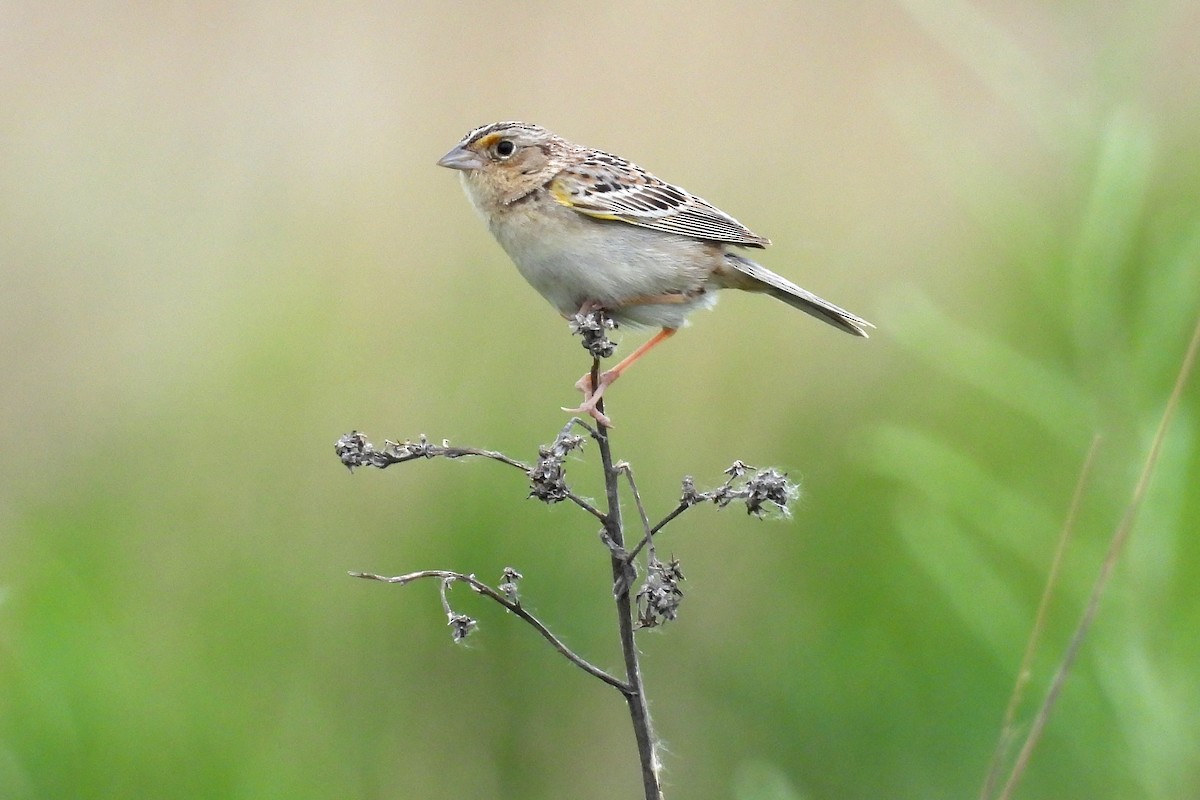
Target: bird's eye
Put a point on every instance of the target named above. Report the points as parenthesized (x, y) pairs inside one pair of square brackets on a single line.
[(505, 148)]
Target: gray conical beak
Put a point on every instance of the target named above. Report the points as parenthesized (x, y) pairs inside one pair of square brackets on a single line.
[(461, 158)]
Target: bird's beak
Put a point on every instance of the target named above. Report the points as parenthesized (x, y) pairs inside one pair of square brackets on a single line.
[(461, 158)]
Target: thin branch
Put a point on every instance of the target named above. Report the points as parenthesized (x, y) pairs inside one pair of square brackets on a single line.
[(462, 452), (578, 422), (764, 491), (586, 506), (1120, 536), (1039, 623), (647, 538), (355, 452), (514, 606), (679, 509), (401, 452), (639, 710), (445, 591)]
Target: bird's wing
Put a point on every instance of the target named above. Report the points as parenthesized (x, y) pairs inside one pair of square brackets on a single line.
[(608, 187)]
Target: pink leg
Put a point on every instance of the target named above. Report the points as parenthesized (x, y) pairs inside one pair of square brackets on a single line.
[(593, 396)]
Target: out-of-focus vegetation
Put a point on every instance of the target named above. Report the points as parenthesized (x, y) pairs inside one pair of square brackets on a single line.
[(223, 243)]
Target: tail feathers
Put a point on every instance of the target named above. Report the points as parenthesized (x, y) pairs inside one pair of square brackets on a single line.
[(762, 279), (823, 310)]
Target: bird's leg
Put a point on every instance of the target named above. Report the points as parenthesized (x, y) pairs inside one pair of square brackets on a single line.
[(592, 394)]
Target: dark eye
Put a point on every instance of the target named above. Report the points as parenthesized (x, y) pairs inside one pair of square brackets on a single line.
[(505, 148)]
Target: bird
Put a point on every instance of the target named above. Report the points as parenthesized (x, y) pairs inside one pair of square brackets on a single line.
[(592, 231)]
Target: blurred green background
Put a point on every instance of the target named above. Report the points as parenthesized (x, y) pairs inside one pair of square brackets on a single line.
[(224, 243)]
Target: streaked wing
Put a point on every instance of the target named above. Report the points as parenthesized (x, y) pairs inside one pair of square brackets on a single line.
[(609, 187)]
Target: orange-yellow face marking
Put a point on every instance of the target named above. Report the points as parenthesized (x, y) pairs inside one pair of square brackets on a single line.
[(487, 142)]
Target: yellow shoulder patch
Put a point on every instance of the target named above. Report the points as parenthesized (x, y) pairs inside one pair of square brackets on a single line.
[(562, 195)]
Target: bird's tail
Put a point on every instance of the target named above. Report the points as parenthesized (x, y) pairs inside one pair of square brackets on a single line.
[(754, 277)]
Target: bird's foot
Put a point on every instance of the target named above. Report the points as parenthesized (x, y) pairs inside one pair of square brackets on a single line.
[(593, 396)]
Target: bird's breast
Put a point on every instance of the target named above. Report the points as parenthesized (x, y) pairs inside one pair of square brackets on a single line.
[(570, 258)]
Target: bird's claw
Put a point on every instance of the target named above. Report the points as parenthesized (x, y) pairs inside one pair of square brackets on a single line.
[(592, 397), (589, 408)]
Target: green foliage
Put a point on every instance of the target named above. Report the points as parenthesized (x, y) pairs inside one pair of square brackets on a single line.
[(982, 530)]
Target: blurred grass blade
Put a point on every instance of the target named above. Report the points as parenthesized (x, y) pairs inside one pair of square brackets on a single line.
[(1154, 560), (1055, 402), (1116, 548), (1170, 296), (1098, 296), (1010, 71), (974, 588), (951, 482), (1025, 670), (1155, 700)]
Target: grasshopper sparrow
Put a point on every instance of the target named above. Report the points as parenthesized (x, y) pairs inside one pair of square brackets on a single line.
[(590, 230)]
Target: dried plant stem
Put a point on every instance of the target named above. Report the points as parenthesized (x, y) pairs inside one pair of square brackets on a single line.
[(648, 533), (1039, 624), (762, 491), (360, 453), (1116, 546), (513, 606), (635, 694), (648, 539)]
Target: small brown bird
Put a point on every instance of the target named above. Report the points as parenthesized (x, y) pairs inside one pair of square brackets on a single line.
[(590, 230)]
